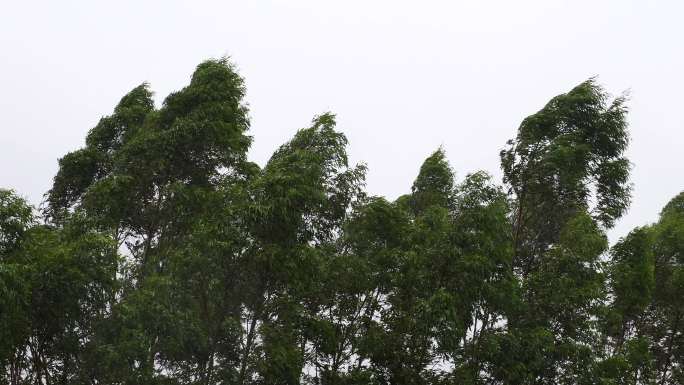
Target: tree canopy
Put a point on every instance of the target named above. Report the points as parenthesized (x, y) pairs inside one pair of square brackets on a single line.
[(162, 255)]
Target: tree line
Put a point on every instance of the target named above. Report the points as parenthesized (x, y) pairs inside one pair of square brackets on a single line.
[(162, 255)]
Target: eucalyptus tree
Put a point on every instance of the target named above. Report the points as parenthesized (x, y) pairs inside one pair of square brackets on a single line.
[(375, 238), (449, 282), (567, 172), (478, 283), (302, 198), (139, 160), (16, 218), (401, 341), (56, 284), (644, 329), (150, 177)]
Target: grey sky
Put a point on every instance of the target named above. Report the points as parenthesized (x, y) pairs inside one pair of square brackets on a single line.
[(403, 77)]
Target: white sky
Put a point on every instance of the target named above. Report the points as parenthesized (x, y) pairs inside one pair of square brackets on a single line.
[(403, 76)]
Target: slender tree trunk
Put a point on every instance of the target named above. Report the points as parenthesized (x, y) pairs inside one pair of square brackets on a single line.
[(668, 359), (247, 349)]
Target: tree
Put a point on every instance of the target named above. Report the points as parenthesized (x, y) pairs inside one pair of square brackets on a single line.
[(568, 175), (644, 319), (152, 178), (302, 198), (16, 217), (57, 284)]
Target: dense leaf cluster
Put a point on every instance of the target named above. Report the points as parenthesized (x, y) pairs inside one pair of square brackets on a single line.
[(163, 256)]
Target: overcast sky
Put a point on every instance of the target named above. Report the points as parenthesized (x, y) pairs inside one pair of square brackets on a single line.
[(403, 77)]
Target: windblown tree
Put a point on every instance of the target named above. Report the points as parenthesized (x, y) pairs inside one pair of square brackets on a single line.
[(164, 256), (16, 218), (301, 200), (644, 326), (56, 284), (568, 176), (154, 179), (449, 283)]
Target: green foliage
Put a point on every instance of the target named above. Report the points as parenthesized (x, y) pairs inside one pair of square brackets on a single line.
[(566, 156), (568, 176), (15, 217), (434, 184), (164, 256), (56, 283), (643, 323)]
